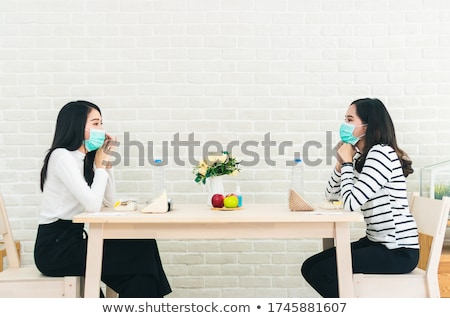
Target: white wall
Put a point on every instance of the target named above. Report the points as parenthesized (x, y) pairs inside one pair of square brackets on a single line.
[(223, 70)]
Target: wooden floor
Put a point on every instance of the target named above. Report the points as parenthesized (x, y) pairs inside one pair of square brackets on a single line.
[(444, 272)]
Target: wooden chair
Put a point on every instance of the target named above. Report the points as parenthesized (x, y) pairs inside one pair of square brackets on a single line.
[(3, 252), (431, 216), (28, 282)]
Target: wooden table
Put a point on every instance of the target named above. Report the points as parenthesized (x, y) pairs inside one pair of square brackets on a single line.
[(196, 221)]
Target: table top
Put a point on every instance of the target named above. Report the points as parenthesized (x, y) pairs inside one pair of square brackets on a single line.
[(195, 213)]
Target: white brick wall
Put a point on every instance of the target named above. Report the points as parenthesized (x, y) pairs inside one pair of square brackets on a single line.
[(224, 70)]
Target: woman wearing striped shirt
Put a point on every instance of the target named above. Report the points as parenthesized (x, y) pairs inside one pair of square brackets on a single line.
[(370, 176)]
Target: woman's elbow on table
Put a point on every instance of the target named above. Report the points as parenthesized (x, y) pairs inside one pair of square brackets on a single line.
[(94, 206)]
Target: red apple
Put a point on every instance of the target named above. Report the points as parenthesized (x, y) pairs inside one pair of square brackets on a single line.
[(217, 200)]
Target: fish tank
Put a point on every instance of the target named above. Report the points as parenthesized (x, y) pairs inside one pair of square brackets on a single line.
[(435, 180)]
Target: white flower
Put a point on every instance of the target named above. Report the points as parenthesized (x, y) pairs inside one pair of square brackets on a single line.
[(216, 165), (217, 158)]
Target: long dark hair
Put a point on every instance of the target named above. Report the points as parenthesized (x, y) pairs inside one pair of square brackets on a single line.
[(380, 130), (69, 134)]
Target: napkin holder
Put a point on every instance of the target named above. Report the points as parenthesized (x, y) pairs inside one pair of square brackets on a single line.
[(158, 205), (297, 202)]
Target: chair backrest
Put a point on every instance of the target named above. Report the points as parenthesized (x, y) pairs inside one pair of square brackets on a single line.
[(5, 231), (431, 216)]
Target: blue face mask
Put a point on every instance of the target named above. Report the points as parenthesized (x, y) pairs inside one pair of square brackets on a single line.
[(346, 133), (96, 140)]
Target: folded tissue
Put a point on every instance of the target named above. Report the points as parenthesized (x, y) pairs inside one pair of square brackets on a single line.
[(159, 205)]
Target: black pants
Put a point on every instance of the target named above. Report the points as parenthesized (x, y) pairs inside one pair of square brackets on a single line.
[(368, 257), (131, 267)]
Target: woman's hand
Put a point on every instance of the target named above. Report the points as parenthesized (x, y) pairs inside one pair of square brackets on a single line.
[(103, 155), (345, 153), (339, 159)]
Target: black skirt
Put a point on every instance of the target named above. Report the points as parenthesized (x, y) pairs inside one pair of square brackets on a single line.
[(60, 250)]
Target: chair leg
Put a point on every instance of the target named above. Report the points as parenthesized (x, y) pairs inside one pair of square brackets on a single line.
[(3, 254), (110, 293)]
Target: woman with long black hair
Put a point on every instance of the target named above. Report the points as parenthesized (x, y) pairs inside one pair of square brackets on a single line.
[(77, 176), (370, 175)]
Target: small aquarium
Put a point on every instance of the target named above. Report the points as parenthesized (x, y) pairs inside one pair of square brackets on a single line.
[(435, 180)]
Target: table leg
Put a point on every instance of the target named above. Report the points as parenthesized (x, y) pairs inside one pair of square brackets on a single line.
[(344, 260), (94, 261)]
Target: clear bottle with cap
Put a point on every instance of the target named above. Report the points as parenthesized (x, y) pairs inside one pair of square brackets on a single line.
[(297, 176), (158, 177)]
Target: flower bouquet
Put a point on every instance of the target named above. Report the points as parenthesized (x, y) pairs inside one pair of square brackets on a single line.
[(215, 165)]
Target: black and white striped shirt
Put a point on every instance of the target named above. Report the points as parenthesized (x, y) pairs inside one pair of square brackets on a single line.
[(379, 191)]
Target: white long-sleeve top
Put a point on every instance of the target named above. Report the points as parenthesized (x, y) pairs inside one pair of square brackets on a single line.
[(379, 191), (66, 192)]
